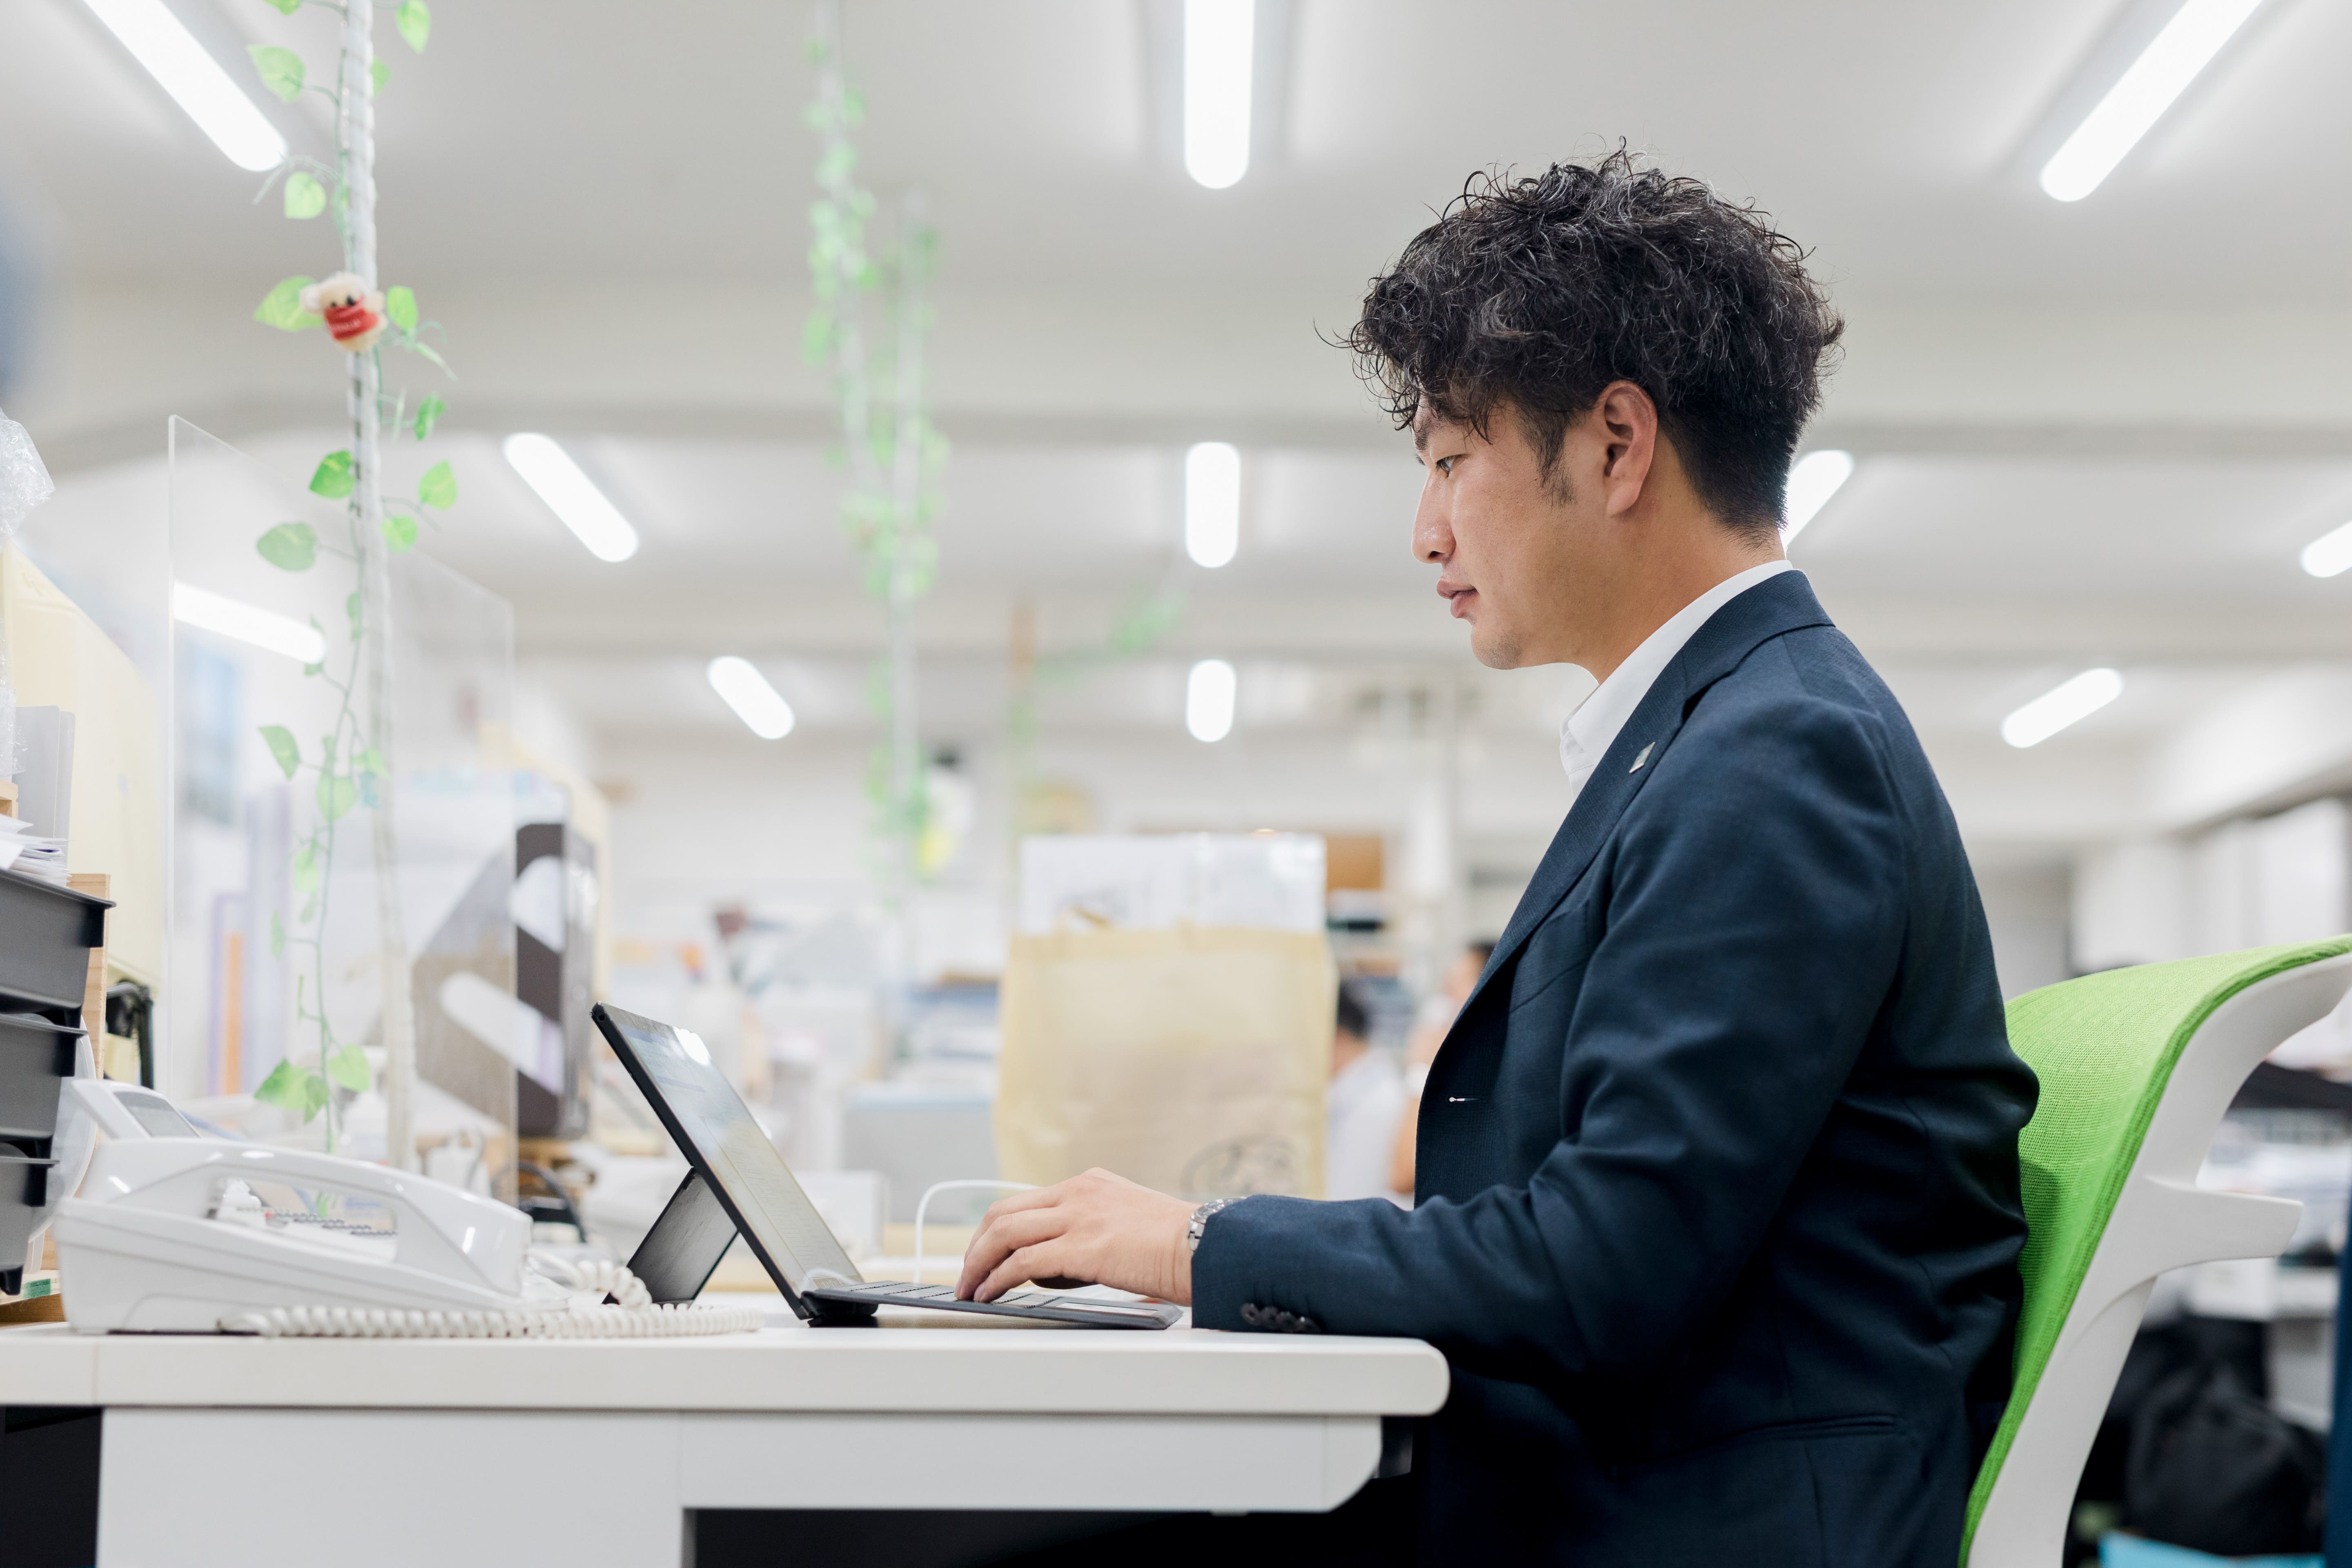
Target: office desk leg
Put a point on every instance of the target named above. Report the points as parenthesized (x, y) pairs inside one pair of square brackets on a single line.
[(387, 1489)]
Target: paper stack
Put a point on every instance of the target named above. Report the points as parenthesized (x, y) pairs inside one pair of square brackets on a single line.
[(31, 854)]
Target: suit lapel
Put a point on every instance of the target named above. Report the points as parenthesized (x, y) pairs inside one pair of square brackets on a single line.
[(1778, 604)]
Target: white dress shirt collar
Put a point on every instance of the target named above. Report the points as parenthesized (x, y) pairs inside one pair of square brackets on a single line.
[(1586, 735)]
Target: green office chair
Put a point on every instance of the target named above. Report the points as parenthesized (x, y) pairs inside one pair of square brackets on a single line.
[(2136, 1067)]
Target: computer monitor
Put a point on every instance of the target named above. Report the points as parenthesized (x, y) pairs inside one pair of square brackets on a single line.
[(736, 1164)]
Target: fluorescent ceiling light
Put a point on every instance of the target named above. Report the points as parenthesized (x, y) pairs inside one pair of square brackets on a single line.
[(2065, 704), (571, 496), (1213, 503), (1815, 478), (1218, 35), (2329, 553), (195, 81), (247, 623), (2164, 69), (757, 703), (1209, 700)]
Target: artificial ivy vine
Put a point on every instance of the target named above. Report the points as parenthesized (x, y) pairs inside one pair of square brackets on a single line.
[(888, 447), (349, 765)]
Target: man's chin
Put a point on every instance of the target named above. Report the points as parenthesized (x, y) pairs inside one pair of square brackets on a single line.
[(1494, 650)]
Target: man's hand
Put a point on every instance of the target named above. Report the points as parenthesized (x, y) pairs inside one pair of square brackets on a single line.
[(1096, 1228)]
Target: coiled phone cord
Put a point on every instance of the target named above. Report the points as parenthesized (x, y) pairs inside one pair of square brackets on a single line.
[(636, 1317)]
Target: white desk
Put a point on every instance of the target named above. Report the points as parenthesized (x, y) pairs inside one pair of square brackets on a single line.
[(364, 1452)]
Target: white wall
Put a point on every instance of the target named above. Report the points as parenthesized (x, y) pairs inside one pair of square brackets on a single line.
[(2250, 882), (2026, 906)]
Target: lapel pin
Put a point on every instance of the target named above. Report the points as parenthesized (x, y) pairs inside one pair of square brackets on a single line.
[(1643, 758)]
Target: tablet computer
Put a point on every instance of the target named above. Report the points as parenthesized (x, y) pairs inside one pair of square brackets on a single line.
[(737, 1182)]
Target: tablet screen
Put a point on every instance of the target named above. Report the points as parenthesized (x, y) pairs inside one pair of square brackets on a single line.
[(704, 1107)]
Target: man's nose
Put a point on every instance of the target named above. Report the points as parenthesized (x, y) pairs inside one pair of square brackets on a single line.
[(1432, 533)]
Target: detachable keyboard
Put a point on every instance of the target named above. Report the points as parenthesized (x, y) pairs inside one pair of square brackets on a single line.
[(1048, 1306)]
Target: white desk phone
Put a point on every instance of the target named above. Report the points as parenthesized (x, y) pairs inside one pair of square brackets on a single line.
[(175, 1232)]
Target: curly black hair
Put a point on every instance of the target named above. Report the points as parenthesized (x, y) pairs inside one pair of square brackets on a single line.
[(1532, 295)]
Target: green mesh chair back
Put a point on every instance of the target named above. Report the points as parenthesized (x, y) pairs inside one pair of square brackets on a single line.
[(2106, 1048)]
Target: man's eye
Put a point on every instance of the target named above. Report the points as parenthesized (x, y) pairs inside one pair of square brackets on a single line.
[(1445, 465)]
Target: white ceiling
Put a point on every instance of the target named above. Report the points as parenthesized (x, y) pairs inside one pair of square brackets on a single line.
[(660, 144), (2089, 433)]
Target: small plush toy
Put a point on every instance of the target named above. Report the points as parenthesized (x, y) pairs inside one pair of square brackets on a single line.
[(353, 311)]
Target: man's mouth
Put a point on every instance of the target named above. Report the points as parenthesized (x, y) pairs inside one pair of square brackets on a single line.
[(1460, 602)]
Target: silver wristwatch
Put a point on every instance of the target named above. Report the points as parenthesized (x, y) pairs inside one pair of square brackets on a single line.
[(1199, 1224)]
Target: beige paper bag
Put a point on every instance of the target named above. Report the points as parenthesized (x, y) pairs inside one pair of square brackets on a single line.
[(1192, 1060)]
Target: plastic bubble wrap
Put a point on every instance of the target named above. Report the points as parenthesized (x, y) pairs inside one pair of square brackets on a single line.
[(24, 483)]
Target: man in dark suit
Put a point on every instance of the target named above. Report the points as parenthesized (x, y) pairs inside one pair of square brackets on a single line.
[(1717, 1216)]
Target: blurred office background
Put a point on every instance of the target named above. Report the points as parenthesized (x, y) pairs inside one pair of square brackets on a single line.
[(2088, 446)]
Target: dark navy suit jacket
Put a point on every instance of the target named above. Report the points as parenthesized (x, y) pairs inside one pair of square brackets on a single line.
[(1718, 1216)]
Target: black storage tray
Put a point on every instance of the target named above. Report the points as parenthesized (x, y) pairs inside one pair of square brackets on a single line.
[(35, 1054), (46, 935), (24, 1189)]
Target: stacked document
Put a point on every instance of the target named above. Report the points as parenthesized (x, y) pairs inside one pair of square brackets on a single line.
[(30, 853)]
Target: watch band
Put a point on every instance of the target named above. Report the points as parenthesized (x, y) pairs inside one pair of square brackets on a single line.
[(1198, 1225)]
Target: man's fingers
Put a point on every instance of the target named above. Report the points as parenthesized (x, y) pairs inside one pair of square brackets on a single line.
[(986, 1251), (1001, 1237), (1019, 1269), (979, 1260), (1037, 1198)]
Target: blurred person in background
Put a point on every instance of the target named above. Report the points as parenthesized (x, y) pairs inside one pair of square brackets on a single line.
[(1365, 1105), (1430, 1025)]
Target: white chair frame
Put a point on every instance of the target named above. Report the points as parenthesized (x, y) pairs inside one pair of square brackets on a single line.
[(2162, 1221)]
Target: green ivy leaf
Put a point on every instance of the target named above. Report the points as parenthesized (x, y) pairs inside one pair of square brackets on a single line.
[(428, 413), (352, 608), (438, 487), (305, 197), (400, 306), (326, 747), (282, 307), (335, 476), (337, 795), (281, 69), (289, 547), (400, 532), (282, 1087), (378, 74), (415, 20), (285, 7), (318, 669), (349, 1067), (370, 761), (305, 870), (295, 1089), (421, 346), (277, 922), (280, 741)]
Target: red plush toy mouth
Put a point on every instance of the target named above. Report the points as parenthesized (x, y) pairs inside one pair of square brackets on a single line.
[(347, 322)]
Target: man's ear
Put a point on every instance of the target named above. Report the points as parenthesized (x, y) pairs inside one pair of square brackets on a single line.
[(1629, 427)]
